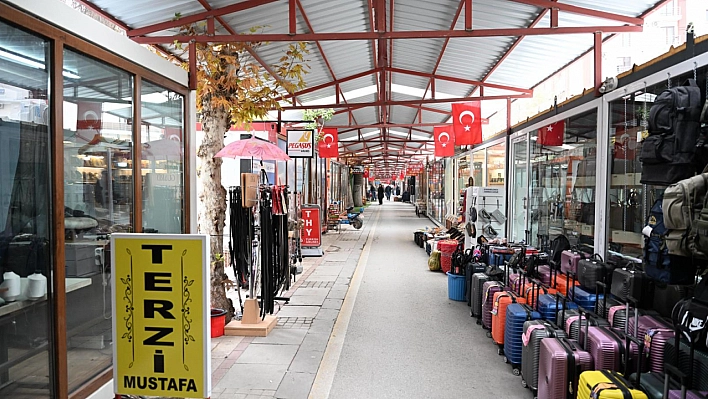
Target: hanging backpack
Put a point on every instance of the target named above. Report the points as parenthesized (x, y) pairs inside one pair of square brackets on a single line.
[(699, 228), (681, 200), (658, 263), (669, 153), (558, 245), (691, 316)]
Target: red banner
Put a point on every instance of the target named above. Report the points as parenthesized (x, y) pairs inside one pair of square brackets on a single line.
[(552, 134), (444, 141), (467, 123), (328, 147), (311, 234)]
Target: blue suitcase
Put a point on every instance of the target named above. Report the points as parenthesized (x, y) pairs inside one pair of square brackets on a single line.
[(548, 307), (585, 298), (516, 316)]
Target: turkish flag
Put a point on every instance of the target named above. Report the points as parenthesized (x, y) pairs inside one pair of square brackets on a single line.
[(88, 119), (444, 141), (552, 134), (467, 123), (329, 145), (366, 173)]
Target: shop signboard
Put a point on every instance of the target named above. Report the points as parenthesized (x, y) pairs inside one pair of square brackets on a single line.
[(161, 317), (300, 144), (311, 234)]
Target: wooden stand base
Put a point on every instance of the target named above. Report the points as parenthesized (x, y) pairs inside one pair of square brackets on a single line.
[(251, 324), (261, 329)]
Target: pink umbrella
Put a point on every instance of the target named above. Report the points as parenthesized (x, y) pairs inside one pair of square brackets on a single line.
[(253, 148)]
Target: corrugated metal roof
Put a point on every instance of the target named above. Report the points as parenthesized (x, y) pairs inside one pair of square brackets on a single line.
[(532, 60)]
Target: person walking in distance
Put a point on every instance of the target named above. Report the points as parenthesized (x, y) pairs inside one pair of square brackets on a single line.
[(388, 192), (381, 194)]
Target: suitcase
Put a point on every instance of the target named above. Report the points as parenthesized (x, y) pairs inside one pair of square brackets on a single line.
[(584, 298), (514, 283), (534, 290), (569, 261), (644, 323), (488, 290), (698, 379), (534, 332), (549, 306), (516, 315), (561, 282), (544, 274), (560, 363), (603, 307), (592, 270), (471, 269), (617, 316), (667, 296), (627, 283), (476, 293), (656, 339), (607, 347), (573, 323), (502, 300), (606, 384), (652, 384)]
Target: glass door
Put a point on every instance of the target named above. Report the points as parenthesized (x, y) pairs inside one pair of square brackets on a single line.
[(519, 195)]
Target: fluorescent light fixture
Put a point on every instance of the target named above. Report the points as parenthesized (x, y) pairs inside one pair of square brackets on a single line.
[(32, 63), (412, 91)]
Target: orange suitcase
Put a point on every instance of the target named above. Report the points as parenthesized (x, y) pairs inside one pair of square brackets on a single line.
[(560, 281), (502, 300), (534, 290)]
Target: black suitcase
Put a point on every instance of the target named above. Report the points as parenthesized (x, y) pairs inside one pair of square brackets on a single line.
[(592, 270), (627, 283), (476, 283), (667, 296), (699, 378), (472, 268)]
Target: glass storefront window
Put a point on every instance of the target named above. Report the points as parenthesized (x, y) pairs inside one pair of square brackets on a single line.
[(496, 164), (479, 168), (98, 195), (162, 138), (25, 209), (629, 201), (436, 190), (563, 188), (519, 193)]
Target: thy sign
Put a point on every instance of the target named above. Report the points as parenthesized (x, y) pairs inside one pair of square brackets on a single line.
[(311, 235), (161, 337)]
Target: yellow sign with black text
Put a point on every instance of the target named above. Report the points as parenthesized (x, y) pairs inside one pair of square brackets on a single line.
[(161, 317)]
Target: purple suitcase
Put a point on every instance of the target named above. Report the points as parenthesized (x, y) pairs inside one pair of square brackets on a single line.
[(607, 347), (689, 395), (544, 274), (560, 362), (514, 283), (617, 316), (569, 261), (488, 290), (645, 322)]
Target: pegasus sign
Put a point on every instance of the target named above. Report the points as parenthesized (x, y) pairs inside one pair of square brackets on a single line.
[(300, 143)]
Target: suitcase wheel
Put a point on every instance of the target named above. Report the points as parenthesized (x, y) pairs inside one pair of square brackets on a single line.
[(489, 334), (516, 372), (479, 322), (500, 352), (505, 359), (524, 384)]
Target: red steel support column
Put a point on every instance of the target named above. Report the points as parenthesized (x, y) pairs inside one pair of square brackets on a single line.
[(293, 21), (598, 62), (508, 116), (468, 14), (554, 17)]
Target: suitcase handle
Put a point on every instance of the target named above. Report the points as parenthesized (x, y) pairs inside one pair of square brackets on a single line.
[(628, 351), (599, 284), (673, 370)]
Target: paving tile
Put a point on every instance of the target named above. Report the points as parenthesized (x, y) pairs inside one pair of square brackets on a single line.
[(307, 300), (321, 326), (253, 376), (306, 361), (311, 291), (332, 304), (337, 294), (298, 311), (317, 277), (295, 385), (268, 354), (282, 337), (327, 314), (328, 271)]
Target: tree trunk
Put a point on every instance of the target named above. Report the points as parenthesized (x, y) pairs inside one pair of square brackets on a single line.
[(212, 195)]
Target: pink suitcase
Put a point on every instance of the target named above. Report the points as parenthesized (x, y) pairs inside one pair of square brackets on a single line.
[(569, 261), (608, 346), (488, 290), (544, 274), (559, 366)]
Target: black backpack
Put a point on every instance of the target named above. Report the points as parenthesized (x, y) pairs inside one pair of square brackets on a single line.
[(558, 245), (669, 154)]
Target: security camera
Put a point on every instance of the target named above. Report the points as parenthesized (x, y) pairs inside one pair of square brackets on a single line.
[(608, 85)]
